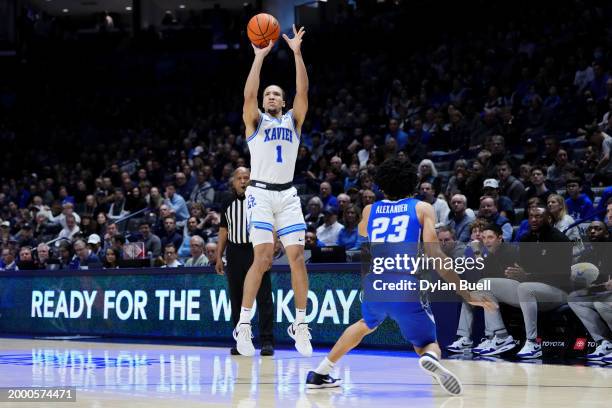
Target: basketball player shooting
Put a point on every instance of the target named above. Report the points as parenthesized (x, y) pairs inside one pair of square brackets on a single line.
[(399, 220), (272, 201)]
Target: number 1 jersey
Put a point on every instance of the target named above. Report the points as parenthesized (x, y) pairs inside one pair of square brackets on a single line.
[(274, 147)]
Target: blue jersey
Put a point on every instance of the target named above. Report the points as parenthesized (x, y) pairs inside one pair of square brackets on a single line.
[(394, 228)]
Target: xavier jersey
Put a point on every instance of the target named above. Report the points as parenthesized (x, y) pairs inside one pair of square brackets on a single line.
[(394, 228), (274, 147)]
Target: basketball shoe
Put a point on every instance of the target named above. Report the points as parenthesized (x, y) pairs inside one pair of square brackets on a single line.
[(301, 334)]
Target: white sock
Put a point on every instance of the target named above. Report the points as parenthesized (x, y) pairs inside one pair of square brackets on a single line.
[(245, 315), (434, 354), (325, 367), (300, 316)]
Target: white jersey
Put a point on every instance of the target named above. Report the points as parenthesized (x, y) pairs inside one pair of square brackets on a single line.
[(274, 148)]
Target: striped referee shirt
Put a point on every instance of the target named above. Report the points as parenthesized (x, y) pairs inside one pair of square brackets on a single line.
[(234, 218)]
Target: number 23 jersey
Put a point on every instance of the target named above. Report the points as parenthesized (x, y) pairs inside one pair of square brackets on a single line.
[(274, 147), (394, 228)]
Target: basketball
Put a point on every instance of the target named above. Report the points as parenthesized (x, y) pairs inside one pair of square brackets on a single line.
[(262, 28), (584, 272)]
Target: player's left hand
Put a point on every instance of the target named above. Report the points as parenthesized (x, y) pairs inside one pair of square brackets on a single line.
[(295, 42), (482, 300), (609, 284)]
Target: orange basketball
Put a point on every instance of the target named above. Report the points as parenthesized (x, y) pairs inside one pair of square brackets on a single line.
[(262, 28)]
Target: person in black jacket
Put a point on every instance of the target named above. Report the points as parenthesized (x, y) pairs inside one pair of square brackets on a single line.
[(539, 278), (593, 305)]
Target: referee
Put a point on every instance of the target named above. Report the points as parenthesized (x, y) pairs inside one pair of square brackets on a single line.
[(233, 235)]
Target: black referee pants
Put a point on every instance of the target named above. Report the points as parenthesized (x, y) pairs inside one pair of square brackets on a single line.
[(239, 259)]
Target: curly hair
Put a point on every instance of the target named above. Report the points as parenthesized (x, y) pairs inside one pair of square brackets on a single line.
[(396, 179)]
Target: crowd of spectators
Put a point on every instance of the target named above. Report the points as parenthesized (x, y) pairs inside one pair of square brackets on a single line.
[(510, 114)]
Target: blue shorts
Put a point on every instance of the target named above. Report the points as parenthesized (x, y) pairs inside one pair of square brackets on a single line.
[(416, 322)]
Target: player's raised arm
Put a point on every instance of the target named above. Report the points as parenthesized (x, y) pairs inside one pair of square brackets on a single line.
[(250, 110), (426, 215), (300, 103)]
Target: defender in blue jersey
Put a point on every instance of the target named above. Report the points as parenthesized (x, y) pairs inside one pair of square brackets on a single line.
[(389, 224)]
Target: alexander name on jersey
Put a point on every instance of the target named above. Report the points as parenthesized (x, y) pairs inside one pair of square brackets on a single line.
[(278, 133), (391, 209)]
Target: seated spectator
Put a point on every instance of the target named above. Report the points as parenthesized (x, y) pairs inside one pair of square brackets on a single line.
[(538, 187), (603, 142), (448, 243), (314, 217), (352, 177), (311, 241), (539, 282), (25, 237), (171, 257), (343, 201), (592, 305), (94, 242), (65, 254), (171, 236), (212, 253), (490, 188), (178, 204), (440, 206), (111, 231), (5, 233), (460, 218), (8, 260), (349, 235), (101, 223), (560, 219), (118, 243), (111, 259), (85, 259), (579, 205), (330, 230), (367, 197), (117, 209), (203, 192), (134, 201), (427, 173), (509, 185), (151, 241), (67, 209), (456, 184), (71, 228), (26, 260), (609, 215), (326, 196), (196, 248), (557, 172), (488, 211), (44, 260)]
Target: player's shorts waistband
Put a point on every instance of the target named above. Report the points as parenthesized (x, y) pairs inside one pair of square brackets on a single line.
[(270, 186)]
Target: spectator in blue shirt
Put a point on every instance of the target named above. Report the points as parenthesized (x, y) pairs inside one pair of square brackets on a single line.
[(579, 205), (603, 203), (349, 236), (85, 259), (177, 202), (396, 133), (326, 196)]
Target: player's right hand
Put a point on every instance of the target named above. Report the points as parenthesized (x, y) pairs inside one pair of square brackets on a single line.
[(219, 267), (263, 51), (482, 300)]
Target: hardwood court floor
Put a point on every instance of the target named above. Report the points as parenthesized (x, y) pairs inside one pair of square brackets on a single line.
[(151, 376)]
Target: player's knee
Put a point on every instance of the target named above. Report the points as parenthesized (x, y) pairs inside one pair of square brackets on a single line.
[(296, 257), (263, 263)]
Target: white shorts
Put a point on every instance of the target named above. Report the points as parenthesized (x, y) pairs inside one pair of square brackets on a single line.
[(279, 211)]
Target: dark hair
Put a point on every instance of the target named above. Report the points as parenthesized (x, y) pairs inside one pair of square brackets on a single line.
[(495, 228), (396, 179), (144, 222), (105, 263), (504, 163), (573, 180), (445, 228)]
